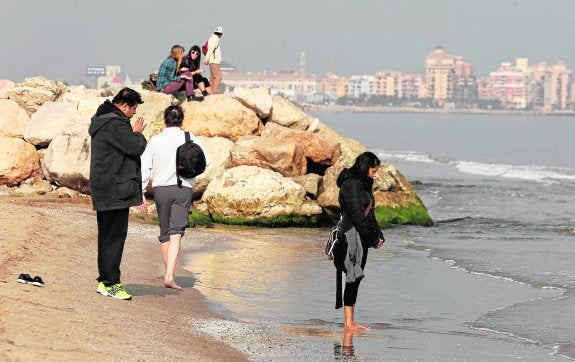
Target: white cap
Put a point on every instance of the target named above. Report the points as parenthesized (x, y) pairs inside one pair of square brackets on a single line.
[(219, 30)]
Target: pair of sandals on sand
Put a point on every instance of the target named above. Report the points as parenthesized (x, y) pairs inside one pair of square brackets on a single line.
[(27, 279)]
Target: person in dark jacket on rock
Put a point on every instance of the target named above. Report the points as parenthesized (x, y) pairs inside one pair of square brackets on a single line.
[(115, 182), (360, 227)]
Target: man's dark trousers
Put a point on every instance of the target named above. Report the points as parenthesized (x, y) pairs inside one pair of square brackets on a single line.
[(112, 232)]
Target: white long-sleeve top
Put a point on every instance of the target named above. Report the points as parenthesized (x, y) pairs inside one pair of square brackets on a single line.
[(214, 54), (159, 158)]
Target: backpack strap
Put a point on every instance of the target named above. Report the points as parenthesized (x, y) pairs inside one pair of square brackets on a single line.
[(188, 139)]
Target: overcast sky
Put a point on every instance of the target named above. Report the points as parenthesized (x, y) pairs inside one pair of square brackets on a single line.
[(59, 38)]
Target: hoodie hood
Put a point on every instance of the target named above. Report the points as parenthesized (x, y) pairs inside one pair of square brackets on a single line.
[(104, 114), (350, 173)]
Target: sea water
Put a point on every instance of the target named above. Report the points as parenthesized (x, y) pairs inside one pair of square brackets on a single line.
[(493, 279)]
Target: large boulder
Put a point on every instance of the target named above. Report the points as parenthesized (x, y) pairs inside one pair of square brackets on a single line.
[(152, 111), (250, 192), (13, 119), (87, 107), (50, 120), (321, 150), (67, 162), (311, 182), (394, 189), (256, 99), (218, 149), (285, 156), (34, 92), (220, 115), (354, 146), (287, 114), (390, 187), (19, 161), (4, 86), (76, 93)]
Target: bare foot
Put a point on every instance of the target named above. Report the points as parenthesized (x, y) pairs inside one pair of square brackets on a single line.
[(171, 284), (355, 327), (359, 326)]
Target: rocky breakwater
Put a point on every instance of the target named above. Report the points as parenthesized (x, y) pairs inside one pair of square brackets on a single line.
[(272, 164)]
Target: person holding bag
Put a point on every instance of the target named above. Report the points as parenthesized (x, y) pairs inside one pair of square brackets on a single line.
[(360, 227)]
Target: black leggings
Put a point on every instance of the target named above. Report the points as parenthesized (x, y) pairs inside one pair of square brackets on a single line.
[(350, 292)]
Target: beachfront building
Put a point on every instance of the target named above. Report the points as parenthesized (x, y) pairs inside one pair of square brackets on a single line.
[(557, 87), (465, 87), (412, 86), (287, 83), (539, 86), (440, 75), (449, 79), (361, 86), (388, 83), (398, 84), (334, 85), (512, 85)]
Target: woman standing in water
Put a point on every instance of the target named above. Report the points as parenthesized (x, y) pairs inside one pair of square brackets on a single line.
[(360, 227)]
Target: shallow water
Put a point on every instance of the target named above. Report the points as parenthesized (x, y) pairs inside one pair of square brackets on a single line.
[(492, 280)]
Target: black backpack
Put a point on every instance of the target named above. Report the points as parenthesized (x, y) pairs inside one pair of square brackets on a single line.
[(190, 160)]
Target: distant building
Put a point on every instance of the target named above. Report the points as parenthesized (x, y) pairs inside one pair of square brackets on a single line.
[(334, 85), (558, 84), (398, 84), (287, 82), (359, 85), (388, 83), (440, 75), (112, 79), (511, 85), (540, 85)]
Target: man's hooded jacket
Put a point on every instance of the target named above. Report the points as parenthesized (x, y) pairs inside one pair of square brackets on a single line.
[(115, 172)]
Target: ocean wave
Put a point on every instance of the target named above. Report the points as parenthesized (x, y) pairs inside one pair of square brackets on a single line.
[(410, 156), (523, 172), (530, 173)]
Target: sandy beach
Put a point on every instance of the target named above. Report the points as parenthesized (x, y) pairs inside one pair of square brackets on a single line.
[(67, 319), (426, 310)]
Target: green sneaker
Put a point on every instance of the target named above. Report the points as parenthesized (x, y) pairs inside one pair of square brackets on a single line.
[(103, 289), (119, 292)]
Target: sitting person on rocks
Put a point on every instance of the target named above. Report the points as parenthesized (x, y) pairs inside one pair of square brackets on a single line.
[(191, 63), (169, 82)]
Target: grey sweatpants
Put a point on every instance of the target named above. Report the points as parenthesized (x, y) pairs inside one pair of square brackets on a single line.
[(173, 206)]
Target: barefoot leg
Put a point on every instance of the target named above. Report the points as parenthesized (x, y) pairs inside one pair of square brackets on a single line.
[(349, 323)]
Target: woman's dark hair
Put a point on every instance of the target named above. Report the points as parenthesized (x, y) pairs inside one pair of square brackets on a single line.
[(128, 96), (364, 162), (173, 116), (194, 64)]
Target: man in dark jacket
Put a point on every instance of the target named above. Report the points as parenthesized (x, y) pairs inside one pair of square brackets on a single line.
[(115, 179)]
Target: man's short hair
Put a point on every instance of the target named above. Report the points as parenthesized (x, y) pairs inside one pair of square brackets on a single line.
[(173, 116), (128, 96)]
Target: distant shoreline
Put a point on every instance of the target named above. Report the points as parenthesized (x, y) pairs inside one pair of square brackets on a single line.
[(380, 109)]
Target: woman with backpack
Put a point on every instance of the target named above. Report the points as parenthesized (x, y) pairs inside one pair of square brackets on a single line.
[(172, 193), (360, 227), (191, 63)]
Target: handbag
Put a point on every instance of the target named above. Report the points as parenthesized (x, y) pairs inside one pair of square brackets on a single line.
[(332, 239)]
